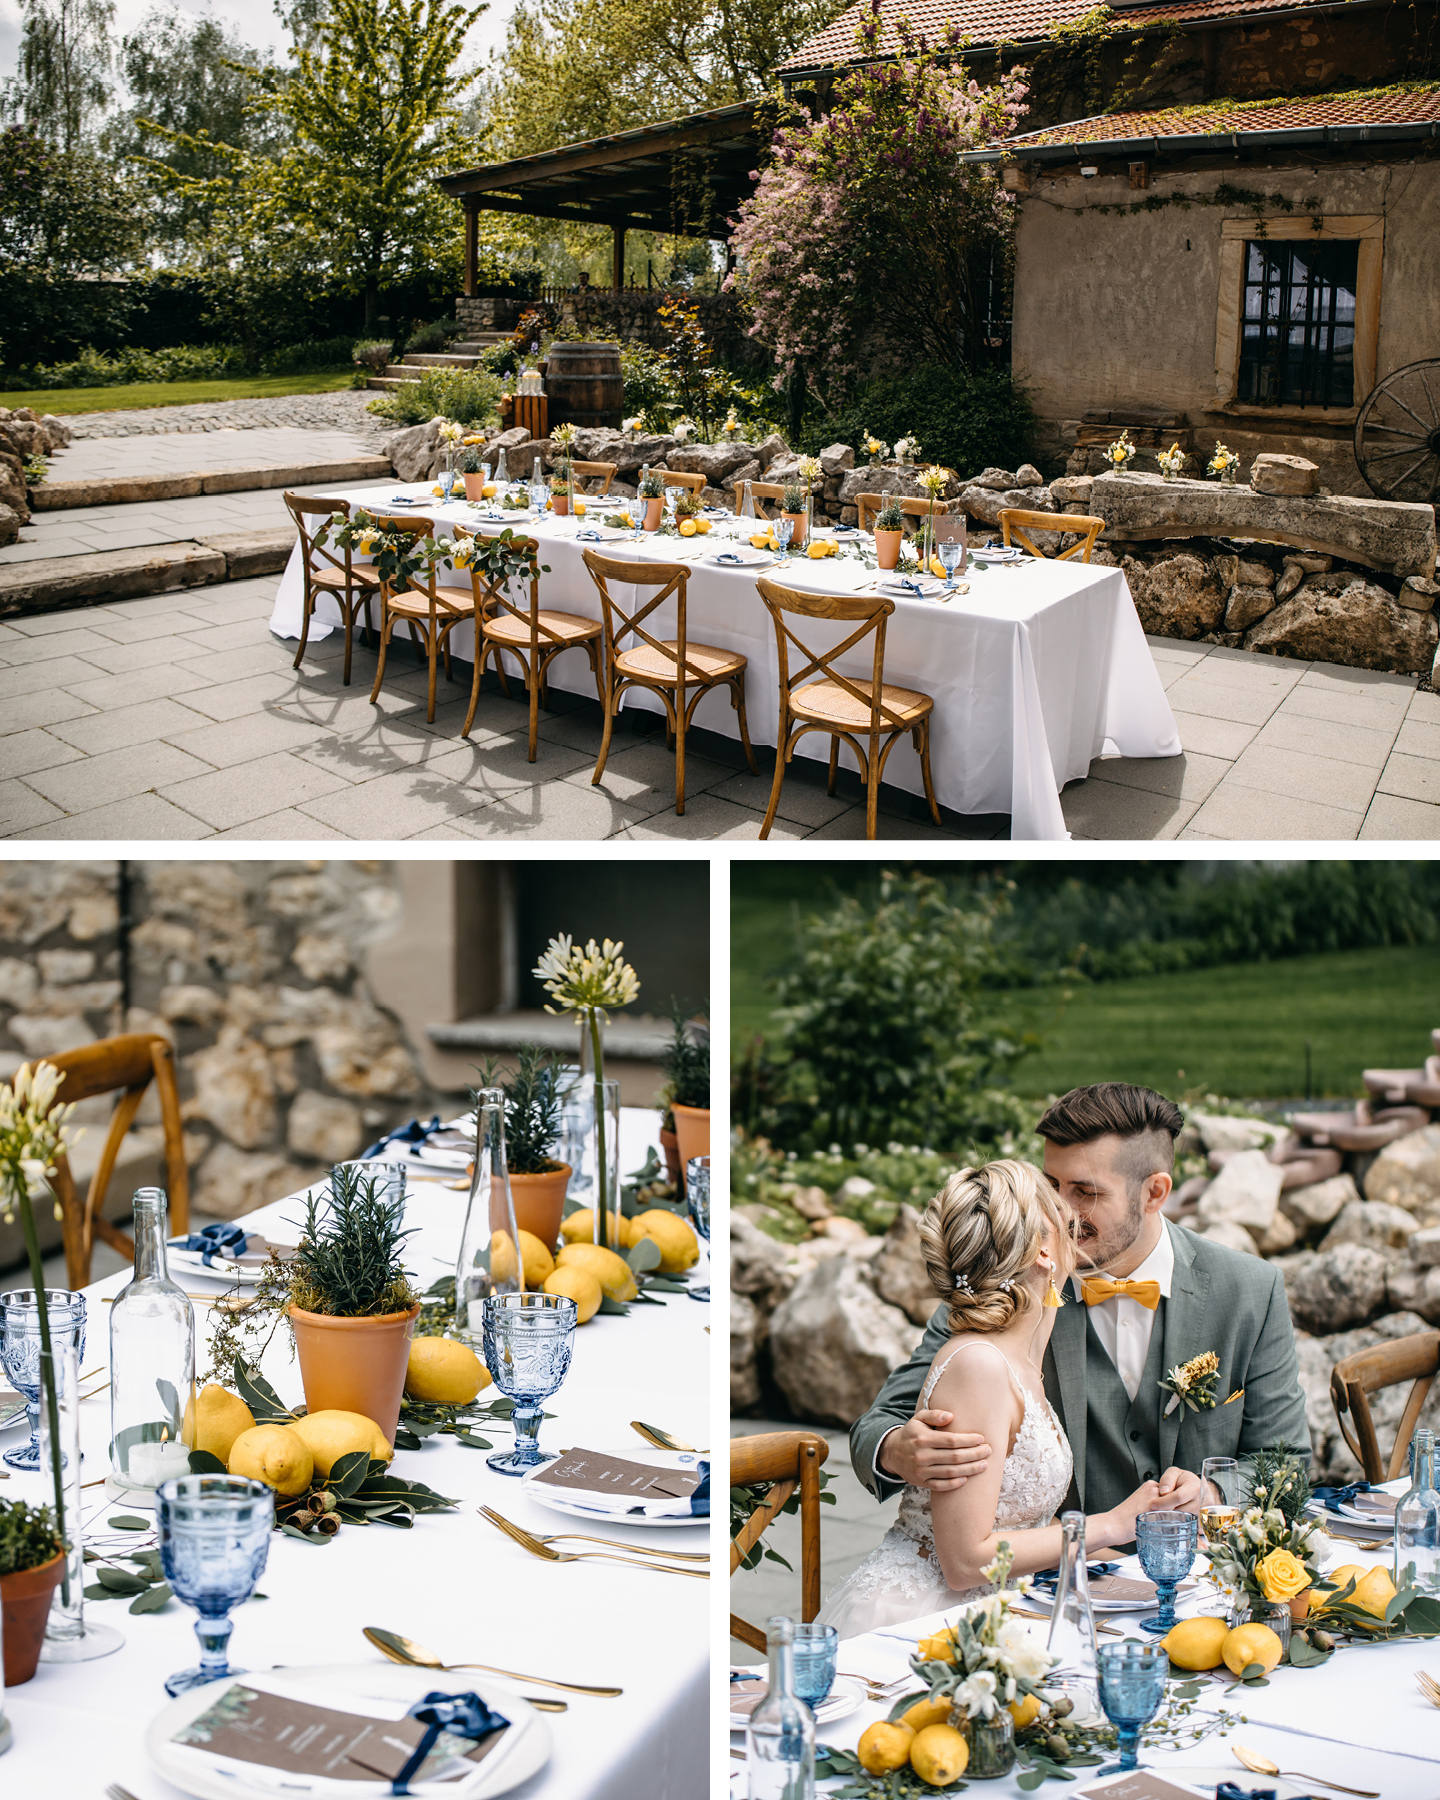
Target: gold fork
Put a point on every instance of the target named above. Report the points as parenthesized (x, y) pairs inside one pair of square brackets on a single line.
[(533, 1544), (566, 1537), (1429, 1687)]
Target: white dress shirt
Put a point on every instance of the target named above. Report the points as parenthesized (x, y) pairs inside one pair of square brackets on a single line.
[(1124, 1326)]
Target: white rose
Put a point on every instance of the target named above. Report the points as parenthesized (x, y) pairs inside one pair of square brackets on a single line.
[(977, 1694)]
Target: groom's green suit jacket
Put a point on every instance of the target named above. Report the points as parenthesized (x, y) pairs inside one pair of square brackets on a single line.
[(1220, 1300)]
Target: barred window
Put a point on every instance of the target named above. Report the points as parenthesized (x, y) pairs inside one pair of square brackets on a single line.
[(1297, 332)]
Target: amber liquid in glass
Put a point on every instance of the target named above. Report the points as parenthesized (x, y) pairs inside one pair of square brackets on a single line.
[(1215, 1521)]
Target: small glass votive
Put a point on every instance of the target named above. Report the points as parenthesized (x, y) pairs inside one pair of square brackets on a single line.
[(815, 1650)]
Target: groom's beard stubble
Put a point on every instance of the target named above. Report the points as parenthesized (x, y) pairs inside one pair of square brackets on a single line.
[(1096, 1249)]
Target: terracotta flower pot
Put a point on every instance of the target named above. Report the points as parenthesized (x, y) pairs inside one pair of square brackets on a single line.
[(475, 486), (653, 510), (560, 506), (887, 548), (692, 1132), (1300, 1607), (25, 1597), (540, 1202), (797, 533), (354, 1365), (670, 1148)]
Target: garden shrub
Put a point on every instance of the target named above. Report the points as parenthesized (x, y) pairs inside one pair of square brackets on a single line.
[(177, 362), (966, 420), (372, 354), (469, 396)]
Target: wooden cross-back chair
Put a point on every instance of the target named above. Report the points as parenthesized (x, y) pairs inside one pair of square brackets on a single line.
[(1016, 520), (682, 478), (602, 472), (846, 708), (791, 1460), (129, 1063), (669, 666), (431, 610), (1354, 1378), (533, 635), (351, 584), (761, 491), (914, 506)]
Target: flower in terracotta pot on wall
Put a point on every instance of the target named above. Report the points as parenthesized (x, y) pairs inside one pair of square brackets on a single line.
[(687, 1088), (532, 1128), (31, 1561)]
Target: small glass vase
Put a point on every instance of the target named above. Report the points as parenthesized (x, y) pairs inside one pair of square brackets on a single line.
[(992, 1746), (1227, 476), (1277, 1616)]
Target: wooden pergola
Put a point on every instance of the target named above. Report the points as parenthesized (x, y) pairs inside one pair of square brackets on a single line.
[(685, 176)]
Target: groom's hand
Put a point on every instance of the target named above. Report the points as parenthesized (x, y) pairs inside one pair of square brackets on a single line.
[(922, 1453), (1179, 1491)]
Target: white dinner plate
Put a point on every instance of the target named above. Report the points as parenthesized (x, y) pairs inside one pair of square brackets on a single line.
[(982, 555), (844, 1697), (525, 1750), (452, 1161), (571, 1501), (1203, 1591), (192, 1263)]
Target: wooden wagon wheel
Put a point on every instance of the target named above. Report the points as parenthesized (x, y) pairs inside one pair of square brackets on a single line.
[(1397, 435)]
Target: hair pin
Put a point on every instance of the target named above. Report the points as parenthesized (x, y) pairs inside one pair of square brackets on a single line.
[(962, 1285)]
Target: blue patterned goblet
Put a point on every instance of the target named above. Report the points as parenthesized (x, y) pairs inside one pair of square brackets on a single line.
[(1132, 1684), (816, 1648), (1166, 1542), (528, 1339), (20, 1351), (697, 1200), (214, 1533)]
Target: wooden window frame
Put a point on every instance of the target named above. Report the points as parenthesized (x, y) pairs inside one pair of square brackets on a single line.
[(1368, 229)]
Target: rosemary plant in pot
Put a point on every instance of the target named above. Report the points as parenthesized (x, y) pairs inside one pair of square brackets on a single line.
[(889, 531), (532, 1128), (687, 1085), (352, 1307), (32, 1559)]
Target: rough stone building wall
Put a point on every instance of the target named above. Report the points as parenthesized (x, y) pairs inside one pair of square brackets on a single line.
[(286, 1062), (629, 316)]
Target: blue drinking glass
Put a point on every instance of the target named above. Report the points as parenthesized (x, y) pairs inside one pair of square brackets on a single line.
[(1166, 1542), (528, 1339), (950, 553), (697, 1201), (815, 1650), (20, 1352), (214, 1534), (636, 510), (784, 530), (1132, 1679)]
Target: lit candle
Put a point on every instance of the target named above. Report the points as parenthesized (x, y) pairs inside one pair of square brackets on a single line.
[(150, 1464)]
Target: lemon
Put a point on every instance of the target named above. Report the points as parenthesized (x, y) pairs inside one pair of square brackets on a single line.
[(940, 1648), (274, 1454), (1374, 1593), (759, 540), (816, 550), (1025, 1711), (687, 528), (939, 1755), (1196, 1643), (488, 491), (580, 508), (702, 526), (444, 1371), (329, 1435), (214, 1419), (884, 1747), (1346, 1572), (537, 1259), (612, 1272), (1248, 1644), (580, 1286), (437, 489), (579, 1228), (674, 1238), (926, 1712), (937, 567)]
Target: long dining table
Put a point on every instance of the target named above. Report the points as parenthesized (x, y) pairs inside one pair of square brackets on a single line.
[(1036, 667), (454, 1583)]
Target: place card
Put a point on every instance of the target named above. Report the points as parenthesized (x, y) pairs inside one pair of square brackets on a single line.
[(277, 1731), (1374, 1502), (1139, 1784), (1122, 1587), (596, 1473)]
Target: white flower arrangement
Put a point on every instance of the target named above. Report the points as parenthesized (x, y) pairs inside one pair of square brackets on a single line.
[(1121, 453), (1172, 461), (907, 449), (875, 449), (632, 425), (987, 1658)]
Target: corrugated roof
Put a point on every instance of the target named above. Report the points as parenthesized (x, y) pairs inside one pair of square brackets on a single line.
[(1409, 106)]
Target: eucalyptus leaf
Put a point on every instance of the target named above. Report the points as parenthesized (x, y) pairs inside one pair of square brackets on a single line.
[(259, 1396), (607, 1305), (170, 1400), (121, 1581), (348, 1472), (1304, 1655), (305, 1537), (1032, 1778), (152, 1600), (128, 1522), (406, 1439), (203, 1463), (644, 1299), (96, 1592), (644, 1255)]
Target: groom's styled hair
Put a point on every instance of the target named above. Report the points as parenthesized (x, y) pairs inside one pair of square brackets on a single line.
[(1146, 1123)]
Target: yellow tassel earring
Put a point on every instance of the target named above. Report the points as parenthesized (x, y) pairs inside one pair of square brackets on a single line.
[(1053, 1297)]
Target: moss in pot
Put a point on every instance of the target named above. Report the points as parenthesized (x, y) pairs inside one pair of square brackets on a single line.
[(686, 1061), (32, 1557), (538, 1180)]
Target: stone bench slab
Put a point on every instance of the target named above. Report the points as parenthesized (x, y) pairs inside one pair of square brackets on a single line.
[(57, 496), (250, 553), (1391, 536), (55, 582)]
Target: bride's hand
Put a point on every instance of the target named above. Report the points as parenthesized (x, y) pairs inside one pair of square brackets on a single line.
[(1118, 1525), (922, 1453)]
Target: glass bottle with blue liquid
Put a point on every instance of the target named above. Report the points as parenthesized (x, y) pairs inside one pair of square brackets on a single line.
[(1417, 1522), (780, 1738)]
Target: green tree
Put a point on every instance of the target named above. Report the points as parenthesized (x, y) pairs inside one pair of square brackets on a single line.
[(63, 84)]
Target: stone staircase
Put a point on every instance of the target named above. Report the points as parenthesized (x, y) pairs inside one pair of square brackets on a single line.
[(463, 354)]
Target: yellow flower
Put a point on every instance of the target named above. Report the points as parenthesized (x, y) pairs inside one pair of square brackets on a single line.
[(1281, 1576), (940, 1648)]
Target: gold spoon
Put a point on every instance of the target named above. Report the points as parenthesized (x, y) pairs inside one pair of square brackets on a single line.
[(405, 1650), (1262, 1765), (662, 1440)]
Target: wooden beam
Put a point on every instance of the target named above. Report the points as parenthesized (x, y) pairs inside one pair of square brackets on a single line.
[(472, 235), (631, 221), (618, 247), (590, 156)]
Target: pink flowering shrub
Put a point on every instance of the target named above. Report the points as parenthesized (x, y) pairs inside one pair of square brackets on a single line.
[(865, 220)]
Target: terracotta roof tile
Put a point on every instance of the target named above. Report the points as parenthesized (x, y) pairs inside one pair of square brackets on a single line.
[(1416, 105)]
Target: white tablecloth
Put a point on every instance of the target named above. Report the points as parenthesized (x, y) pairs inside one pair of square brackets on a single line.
[(453, 1583), (1036, 671)]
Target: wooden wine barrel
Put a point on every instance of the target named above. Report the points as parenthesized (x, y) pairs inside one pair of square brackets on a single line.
[(584, 385)]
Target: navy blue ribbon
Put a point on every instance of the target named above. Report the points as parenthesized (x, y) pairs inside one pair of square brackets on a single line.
[(213, 1241), (700, 1499), (1051, 1577), (462, 1715), (413, 1133), (1333, 1498)]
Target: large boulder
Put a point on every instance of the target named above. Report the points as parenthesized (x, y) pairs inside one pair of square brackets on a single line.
[(713, 461), (835, 1340), (412, 452), (1274, 474), (899, 1269), (56, 430), (10, 522), (892, 479), (1407, 1174), (1219, 1131), (1245, 1192), (1177, 597), (1232, 1236), (759, 1266), (1331, 1289), (629, 454), (835, 459), (1372, 1222), (1341, 618), (24, 437), (1247, 605), (1414, 1290), (1071, 493), (13, 491), (744, 1349), (1425, 1247), (1311, 1208), (987, 503)]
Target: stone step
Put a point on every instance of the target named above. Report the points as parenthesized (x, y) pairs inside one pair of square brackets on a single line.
[(59, 583), (482, 340), (56, 496), (448, 359)]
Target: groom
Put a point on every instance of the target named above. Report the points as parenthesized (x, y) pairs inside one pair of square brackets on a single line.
[(1147, 1295)]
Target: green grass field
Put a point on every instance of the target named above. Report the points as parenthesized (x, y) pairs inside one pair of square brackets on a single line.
[(175, 393)]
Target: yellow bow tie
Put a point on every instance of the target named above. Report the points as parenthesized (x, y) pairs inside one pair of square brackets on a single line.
[(1101, 1288)]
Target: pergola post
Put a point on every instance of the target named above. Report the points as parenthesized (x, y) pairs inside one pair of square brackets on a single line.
[(472, 242), (618, 233)]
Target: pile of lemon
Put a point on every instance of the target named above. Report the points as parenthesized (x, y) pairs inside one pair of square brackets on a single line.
[(764, 540), (285, 1457), (923, 1738), (822, 547), (689, 527), (587, 1272), (1206, 1643)]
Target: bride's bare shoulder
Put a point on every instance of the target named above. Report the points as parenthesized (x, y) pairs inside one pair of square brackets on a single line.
[(968, 1358)]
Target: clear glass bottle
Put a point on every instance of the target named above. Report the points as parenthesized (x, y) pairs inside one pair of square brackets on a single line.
[(780, 1738), (747, 502), (488, 1261), (502, 476), (1417, 1522), (152, 1360), (1072, 1625)]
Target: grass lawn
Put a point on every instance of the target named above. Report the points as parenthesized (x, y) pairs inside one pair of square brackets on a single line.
[(175, 393)]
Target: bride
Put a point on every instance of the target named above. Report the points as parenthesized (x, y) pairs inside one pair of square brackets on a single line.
[(998, 1249)]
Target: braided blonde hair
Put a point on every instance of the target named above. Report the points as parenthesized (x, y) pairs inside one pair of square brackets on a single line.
[(980, 1235)]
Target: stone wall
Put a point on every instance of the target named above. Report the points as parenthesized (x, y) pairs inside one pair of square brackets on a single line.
[(253, 970), (629, 316)]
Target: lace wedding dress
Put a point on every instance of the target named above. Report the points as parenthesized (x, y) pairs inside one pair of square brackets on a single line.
[(902, 1579)]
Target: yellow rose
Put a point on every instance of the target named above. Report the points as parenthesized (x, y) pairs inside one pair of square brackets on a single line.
[(1281, 1576)]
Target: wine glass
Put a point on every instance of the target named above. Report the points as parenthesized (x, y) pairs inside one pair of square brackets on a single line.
[(1166, 1543), (636, 509), (783, 530), (815, 1651), (528, 1340), (1132, 1684), (214, 1533), (697, 1200), (1220, 1497), (20, 1351)]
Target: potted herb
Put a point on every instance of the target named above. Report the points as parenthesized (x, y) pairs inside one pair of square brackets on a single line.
[(889, 531), (793, 507), (532, 1128), (686, 1061), (351, 1305), (652, 491), (32, 1559), (475, 471), (559, 496)]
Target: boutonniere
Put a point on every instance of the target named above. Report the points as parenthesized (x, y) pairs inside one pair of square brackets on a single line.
[(1193, 1383)]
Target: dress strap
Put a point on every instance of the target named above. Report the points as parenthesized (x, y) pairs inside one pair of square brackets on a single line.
[(939, 1369)]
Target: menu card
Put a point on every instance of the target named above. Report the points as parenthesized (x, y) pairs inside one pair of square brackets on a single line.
[(1376, 1503), (280, 1732), (596, 1473), (1140, 1784)]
